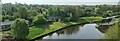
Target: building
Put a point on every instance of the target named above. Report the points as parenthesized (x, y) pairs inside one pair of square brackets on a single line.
[(5, 25), (51, 18)]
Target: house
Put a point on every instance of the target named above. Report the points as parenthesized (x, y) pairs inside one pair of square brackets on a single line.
[(107, 22), (5, 25), (51, 18)]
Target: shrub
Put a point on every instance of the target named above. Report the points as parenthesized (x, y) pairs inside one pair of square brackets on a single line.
[(39, 19), (20, 28)]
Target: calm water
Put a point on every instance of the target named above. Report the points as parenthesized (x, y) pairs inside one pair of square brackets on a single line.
[(87, 31)]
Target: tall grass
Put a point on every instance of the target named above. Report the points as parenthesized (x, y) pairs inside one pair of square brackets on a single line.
[(112, 32)]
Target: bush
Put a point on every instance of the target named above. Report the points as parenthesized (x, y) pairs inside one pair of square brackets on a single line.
[(66, 19), (7, 17), (72, 19), (39, 19), (20, 28)]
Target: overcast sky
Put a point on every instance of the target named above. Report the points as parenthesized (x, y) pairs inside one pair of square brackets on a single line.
[(57, 2)]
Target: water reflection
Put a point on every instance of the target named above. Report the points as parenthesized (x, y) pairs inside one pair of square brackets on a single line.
[(87, 31), (69, 31), (103, 29)]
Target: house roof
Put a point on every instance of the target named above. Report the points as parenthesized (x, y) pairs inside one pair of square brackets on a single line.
[(106, 20), (6, 23), (51, 17)]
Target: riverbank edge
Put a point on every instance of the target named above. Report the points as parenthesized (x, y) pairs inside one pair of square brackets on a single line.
[(40, 36)]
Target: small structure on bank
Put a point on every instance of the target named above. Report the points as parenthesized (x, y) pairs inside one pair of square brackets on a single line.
[(5, 25), (103, 29), (107, 22), (51, 18)]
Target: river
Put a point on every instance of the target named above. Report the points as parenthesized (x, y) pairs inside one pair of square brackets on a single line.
[(86, 31)]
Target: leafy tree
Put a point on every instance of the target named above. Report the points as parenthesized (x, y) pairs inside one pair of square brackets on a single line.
[(22, 12), (96, 10), (7, 17), (0, 18), (7, 20), (7, 8), (31, 14), (20, 28), (52, 11), (63, 12), (39, 19), (108, 13)]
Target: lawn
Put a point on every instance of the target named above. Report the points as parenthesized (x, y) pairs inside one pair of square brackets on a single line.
[(112, 32), (39, 30), (36, 31), (90, 19)]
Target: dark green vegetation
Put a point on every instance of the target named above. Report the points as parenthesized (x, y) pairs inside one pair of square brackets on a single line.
[(112, 33), (56, 12), (43, 19), (19, 27)]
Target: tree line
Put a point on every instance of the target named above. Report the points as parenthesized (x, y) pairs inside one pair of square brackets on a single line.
[(27, 15), (63, 12)]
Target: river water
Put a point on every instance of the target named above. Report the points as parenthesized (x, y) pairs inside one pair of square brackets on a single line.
[(86, 31)]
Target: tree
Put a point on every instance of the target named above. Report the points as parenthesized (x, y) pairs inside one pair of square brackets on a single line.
[(39, 19), (21, 13), (108, 13), (31, 14), (7, 17), (7, 8), (20, 28)]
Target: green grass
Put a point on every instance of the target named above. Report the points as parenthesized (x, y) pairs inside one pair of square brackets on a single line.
[(90, 19), (118, 29), (112, 32), (37, 31)]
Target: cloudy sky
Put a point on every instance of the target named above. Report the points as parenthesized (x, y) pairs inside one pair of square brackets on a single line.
[(57, 2)]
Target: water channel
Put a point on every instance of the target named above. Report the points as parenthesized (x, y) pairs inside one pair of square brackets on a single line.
[(86, 31)]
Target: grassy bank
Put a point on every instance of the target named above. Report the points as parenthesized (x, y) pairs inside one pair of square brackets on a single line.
[(37, 31), (90, 19), (112, 32)]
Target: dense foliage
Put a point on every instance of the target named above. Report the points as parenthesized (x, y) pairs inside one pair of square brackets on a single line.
[(20, 28), (63, 12), (39, 19), (37, 15)]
